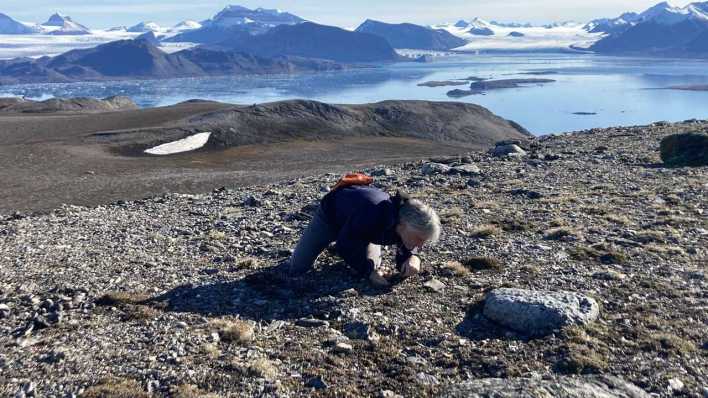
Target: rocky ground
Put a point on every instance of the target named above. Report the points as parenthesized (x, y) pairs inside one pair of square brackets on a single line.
[(171, 296)]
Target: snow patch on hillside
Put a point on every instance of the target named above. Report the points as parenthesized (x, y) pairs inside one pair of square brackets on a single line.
[(191, 143)]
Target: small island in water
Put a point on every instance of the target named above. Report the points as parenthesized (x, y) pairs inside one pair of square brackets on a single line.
[(480, 87)]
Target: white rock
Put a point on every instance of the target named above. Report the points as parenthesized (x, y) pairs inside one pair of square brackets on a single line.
[(435, 285), (343, 348), (466, 170), (538, 313), (508, 150), (435, 168), (675, 385), (425, 378)]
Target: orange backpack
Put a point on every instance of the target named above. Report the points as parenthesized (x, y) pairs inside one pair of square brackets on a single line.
[(353, 179)]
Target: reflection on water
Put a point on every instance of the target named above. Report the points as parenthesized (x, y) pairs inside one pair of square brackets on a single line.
[(614, 88)]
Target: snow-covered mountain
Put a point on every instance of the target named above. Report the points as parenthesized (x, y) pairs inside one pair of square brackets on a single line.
[(410, 36), (476, 26), (236, 20), (59, 24), (612, 25), (662, 13), (238, 15), (144, 27), (9, 26), (666, 14), (186, 25), (149, 37), (660, 30)]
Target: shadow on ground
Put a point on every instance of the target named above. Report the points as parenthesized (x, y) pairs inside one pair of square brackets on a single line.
[(476, 327), (266, 296)]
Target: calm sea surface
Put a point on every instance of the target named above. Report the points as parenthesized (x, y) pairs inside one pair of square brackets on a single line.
[(620, 91)]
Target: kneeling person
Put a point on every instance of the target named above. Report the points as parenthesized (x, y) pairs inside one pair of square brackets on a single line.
[(360, 219)]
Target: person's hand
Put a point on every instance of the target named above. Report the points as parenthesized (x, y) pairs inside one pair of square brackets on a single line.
[(378, 280), (411, 267)]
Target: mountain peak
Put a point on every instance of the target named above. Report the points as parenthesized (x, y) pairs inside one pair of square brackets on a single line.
[(9, 26), (59, 24), (57, 19), (664, 13), (234, 15), (187, 25), (144, 27)]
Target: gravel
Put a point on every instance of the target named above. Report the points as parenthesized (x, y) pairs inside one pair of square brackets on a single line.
[(125, 296)]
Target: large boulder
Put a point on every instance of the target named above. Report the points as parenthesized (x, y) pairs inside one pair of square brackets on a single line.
[(501, 150), (560, 387), (686, 149), (465, 170), (435, 168), (538, 313)]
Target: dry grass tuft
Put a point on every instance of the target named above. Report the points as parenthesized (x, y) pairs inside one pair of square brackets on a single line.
[(457, 268), (582, 354), (595, 210), (581, 359), (451, 216), (650, 237), (669, 344), (189, 391), (116, 388), (237, 331), (211, 350), (600, 253), (613, 257), (557, 222), (666, 249), (483, 264), (217, 235), (618, 219), (248, 262), (560, 233), (487, 204), (485, 231), (118, 298), (134, 305), (676, 221), (264, 368), (530, 269), (581, 253), (513, 225), (139, 313)]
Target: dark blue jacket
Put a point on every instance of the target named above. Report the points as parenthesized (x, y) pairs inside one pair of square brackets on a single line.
[(362, 215)]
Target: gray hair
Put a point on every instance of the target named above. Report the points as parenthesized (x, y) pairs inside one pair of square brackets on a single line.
[(420, 217)]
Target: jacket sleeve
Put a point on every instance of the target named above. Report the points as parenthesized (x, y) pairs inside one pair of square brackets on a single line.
[(353, 251), (402, 254)]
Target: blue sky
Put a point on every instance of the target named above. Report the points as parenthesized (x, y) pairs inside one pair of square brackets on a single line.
[(346, 13)]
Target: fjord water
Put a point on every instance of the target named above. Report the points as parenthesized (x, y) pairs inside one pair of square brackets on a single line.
[(620, 90)]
